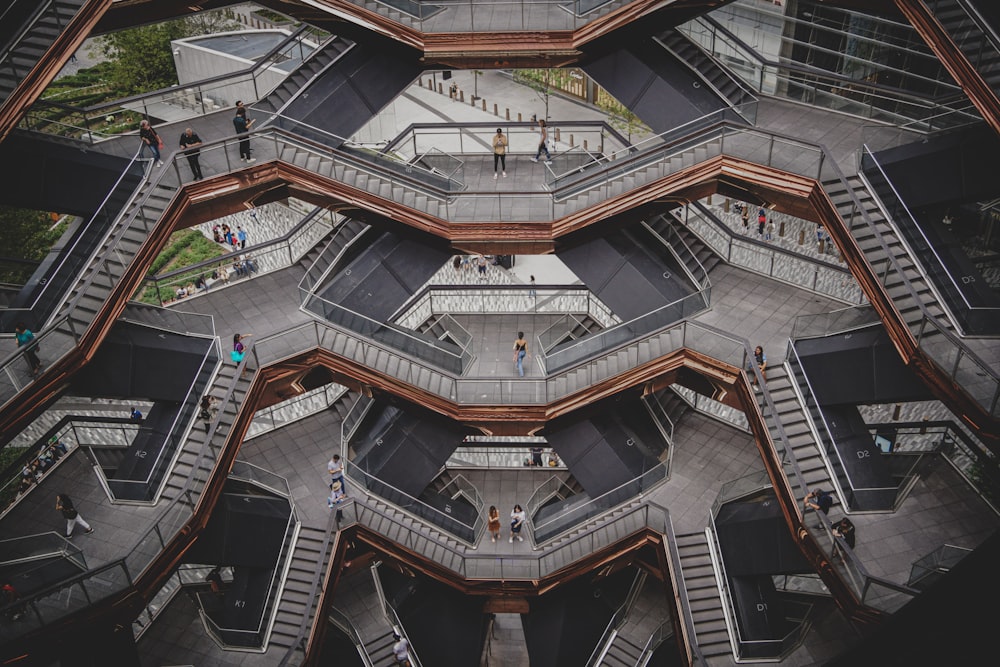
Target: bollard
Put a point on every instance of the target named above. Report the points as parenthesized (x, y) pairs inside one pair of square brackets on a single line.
[(584, 144), (507, 110), (781, 228), (802, 237), (440, 88), (518, 116), (484, 105), (557, 135), (496, 110), (461, 96), (725, 204), (571, 144), (709, 200)]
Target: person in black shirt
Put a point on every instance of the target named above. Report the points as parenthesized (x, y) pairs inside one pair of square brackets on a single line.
[(190, 142)]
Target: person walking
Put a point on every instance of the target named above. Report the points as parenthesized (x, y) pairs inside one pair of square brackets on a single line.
[(26, 339), (401, 650), (499, 152), (543, 144), (520, 352), (208, 410), (65, 505), (241, 236), (150, 138), (517, 518), (336, 469), (761, 221), (493, 523), (242, 125), (189, 143)]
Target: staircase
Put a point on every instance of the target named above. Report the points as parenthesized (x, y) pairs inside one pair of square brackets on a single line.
[(168, 319), (689, 249), (298, 80), (322, 256), (131, 229), (791, 414), (711, 634), (196, 458), (295, 608), (25, 50), (358, 599), (728, 87), (358, 175), (666, 407), (911, 293), (965, 30), (660, 163)]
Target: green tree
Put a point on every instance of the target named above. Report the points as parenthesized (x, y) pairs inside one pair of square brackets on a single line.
[(26, 235), (141, 59)]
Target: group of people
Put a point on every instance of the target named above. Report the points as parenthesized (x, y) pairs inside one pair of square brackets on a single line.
[(517, 519), (338, 488), (35, 469), (190, 143), (500, 144), (765, 227), (820, 500), (234, 240)]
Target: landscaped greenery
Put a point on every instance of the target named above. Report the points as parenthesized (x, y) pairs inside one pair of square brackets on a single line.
[(184, 249), (26, 235)]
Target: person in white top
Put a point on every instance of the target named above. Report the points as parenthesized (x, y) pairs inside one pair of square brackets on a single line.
[(517, 518), (401, 650)]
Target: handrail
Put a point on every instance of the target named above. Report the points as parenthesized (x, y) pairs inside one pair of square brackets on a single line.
[(190, 397), (262, 63), (988, 30), (817, 72), (68, 253), (28, 23), (257, 247), (683, 602), (868, 154)]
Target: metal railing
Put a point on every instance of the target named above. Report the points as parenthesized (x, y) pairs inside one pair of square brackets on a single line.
[(140, 490), (457, 528), (971, 32), (780, 264), (268, 256), (618, 619), (119, 117), (68, 596), (472, 16), (74, 258), (921, 248), (293, 409), (40, 546), (827, 90), (821, 325)]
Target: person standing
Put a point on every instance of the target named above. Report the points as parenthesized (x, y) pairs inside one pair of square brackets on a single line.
[(745, 215), (819, 500), (481, 264), (189, 143), (499, 152), (517, 518), (65, 505), (531, 290), (242, 125), (239, 349), (26, 339), (241, 236), (150, 138), (543, 144), (493, 523), (401, 650), (520, 352), (761, 360), (845, 529), (336, 469), (761, 221)]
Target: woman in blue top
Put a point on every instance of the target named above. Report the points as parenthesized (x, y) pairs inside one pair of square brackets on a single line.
[(26, 339)]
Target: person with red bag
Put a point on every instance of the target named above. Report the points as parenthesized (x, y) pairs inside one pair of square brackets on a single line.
[(151, 139)]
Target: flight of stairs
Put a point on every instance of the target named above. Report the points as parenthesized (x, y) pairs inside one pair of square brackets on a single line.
[(196, 459), (358, 175), (711, 634), (34, 41), (981, 52), (321, 257), (719, 79), (692, 251), (295, 608), (590, 192), (298, 80)]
